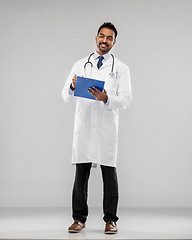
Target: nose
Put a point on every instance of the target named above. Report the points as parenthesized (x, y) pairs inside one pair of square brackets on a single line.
[(105, 39)]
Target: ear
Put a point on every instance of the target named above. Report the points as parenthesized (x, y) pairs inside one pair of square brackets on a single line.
[(114, 42), (96, 38)]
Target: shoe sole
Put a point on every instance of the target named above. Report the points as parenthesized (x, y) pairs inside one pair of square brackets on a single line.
[(110, 232), (73, 231)]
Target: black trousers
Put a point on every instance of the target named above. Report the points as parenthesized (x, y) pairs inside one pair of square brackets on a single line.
[(110, 194)]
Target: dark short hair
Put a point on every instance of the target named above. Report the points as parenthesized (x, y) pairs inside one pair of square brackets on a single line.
[(108, 25)]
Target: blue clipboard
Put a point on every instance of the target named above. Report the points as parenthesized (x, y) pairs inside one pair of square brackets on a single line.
[(83, 84)]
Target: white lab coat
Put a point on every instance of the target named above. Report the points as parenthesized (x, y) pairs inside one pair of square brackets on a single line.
[(95, 137)]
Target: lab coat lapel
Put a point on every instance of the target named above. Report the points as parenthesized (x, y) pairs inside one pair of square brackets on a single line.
[(107, 63)]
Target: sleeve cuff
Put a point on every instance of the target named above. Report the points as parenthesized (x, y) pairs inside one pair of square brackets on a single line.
[(107, 103), (71, 92)]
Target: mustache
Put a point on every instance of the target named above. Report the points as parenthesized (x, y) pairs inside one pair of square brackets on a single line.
[(104, 44)]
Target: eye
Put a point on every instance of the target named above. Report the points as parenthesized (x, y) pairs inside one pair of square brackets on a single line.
[(110, 38)]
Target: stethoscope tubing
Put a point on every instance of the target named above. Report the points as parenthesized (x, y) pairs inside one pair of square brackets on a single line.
[(89, 62)]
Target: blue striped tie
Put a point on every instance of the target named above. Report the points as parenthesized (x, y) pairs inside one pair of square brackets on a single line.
[(99, 64)]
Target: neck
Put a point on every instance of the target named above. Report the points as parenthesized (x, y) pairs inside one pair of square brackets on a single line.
[(101, 53)]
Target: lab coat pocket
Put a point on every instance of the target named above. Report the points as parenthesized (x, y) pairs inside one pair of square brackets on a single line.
[(109, 124)]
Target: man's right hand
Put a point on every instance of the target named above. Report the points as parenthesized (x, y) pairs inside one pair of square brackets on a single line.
[(72, 86)]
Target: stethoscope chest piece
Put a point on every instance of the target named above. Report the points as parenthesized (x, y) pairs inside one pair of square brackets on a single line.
[(111, 74)]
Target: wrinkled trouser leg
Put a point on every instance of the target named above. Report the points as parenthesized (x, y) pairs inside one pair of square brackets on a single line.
[(110, 193), (79, 195)]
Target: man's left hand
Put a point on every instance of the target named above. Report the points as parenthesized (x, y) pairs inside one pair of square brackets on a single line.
[(98, 95)]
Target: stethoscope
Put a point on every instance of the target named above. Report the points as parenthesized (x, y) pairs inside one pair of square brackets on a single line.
[(111, 74)]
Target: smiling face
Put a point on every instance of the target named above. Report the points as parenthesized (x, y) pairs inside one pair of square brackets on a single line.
[(105, 40)]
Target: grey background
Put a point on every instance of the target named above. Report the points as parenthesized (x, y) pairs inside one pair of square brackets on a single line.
[(39, 43)]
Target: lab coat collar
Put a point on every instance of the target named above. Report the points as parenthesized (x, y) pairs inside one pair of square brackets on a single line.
[(106, 56)]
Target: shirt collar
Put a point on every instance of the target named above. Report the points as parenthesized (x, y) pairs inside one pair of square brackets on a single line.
[(106, 56)]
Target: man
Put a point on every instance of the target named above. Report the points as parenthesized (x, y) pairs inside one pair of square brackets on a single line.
[(96, 126)]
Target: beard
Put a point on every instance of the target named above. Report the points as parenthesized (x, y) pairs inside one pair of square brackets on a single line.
[(103, 47)]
